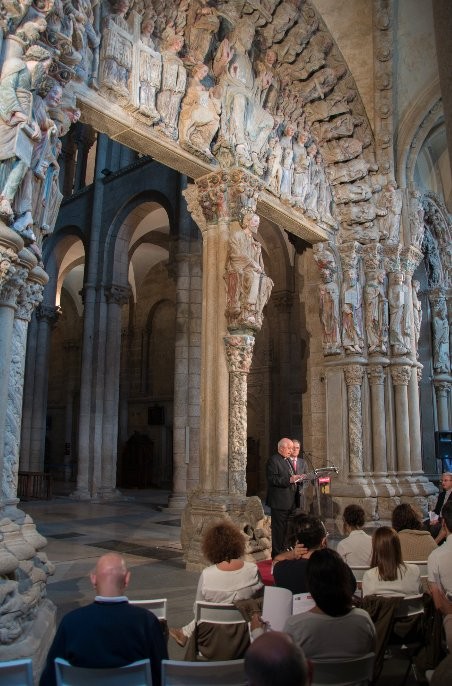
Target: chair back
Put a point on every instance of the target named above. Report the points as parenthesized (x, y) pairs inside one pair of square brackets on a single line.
[(224, 673), (155, 605), (16, 673), (217, 613), (135, 674), (345, 672), (358, 571), (422, 564)]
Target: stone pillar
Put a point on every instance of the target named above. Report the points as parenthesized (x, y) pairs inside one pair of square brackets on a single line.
[(442, 390), (115, 296), (442, 19), (377, 398), (354, 378), (401, 375), (239, 353), (283, 304), (47, 317), (415, 421), (71, 350)]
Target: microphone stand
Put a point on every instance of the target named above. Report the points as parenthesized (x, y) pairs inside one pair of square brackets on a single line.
[(307, 457)]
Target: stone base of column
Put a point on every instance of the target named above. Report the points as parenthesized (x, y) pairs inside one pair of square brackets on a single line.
[(35, 643), (204, 508), (176, 503), (81, 494)]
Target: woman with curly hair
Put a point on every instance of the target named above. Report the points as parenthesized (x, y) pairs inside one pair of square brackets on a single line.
[(416, 542), (229, 578), (389, 574)]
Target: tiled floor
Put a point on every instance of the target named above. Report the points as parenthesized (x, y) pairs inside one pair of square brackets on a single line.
[(148, 537)]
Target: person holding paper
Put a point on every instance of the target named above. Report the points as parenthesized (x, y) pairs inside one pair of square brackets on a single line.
[(283, 495)]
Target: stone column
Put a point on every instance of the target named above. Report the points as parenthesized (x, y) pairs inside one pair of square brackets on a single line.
[(353, 378), (116, 297), (401, 375), (442, 390), (239, 353), (283, 303), (47, 317), (377, 397), (29, 296), (71, 350)]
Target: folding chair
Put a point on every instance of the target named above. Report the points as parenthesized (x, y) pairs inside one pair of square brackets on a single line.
[(358, 571), (157, 606), (221, 632), (16, 673), (221, 673), (135, 674), (217, 613), (346, 672), (407, 643)]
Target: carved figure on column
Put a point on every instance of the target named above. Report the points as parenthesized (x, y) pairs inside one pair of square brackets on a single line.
[(312, 196), (440, 325), (376, 312), (415, 217), (352, 317), (417, 312), (273, 174), (399, 315), (245, 124), (174, 79), (329, 316), (18, 133), (391, 202), (248, 287), (287, 162), (202, 23), (200, 115), (117, 50), (150, 71), (301, 168)]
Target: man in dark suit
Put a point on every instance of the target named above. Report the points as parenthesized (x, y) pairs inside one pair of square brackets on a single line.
[(435, 523), (109, 632), (283, 495)]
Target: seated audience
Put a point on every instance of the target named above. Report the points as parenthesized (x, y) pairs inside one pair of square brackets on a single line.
[(415, 541), (439, 565), (273, 658), (389, 574), (229, 578), (434, 523), (333, 628), (356, 548), (110, 632)]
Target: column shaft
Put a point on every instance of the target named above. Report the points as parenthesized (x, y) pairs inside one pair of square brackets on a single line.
[(377, 396), (401, 375)]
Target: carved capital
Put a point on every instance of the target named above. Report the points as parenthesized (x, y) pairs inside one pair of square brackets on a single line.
[(48, 314), (227, 193), (442, 388), (117, 295), (372, 257), (392, 258), (401, 374), (376, 375), (28, 299), (325, 258), (283, 301), (353, 374), (409, 259), (350, 254), (13, 281), (239, 353), (419, 371)]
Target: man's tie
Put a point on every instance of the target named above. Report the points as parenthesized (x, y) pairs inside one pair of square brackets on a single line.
[(294, 464)]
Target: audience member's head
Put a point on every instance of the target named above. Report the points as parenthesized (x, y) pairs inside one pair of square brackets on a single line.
[(404, 516), (110, 577), (330, 582), (386, 553), (446, 480), (309, 531), (354, 517), (222, 542), (446, 514), (274, 658)]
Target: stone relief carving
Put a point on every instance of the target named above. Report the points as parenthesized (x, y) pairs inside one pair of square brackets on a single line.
[(328, 298), (352, 328), (353, 378), (399, 313), (248, 287), (417, 312), (440, 327), (200, 115), (376, 312)]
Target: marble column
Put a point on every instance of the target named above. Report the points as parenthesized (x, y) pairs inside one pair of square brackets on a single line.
[(71, 350), (442, 390), (401, 375), (377, 398), (47, 317), (354, 374), (239, 353), (415, 421)]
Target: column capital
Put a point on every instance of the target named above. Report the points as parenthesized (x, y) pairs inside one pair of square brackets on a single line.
[(11, 282), (409, 259), (29, 297), (283, 300), (48, 314), (239, 352), (350, 253), (401, 374), (117, 295), (392, 258), (376, 375), (442, 387), (354, 374), (373, 257)]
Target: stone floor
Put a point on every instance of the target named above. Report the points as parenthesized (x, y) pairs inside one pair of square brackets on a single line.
[(148, 537)]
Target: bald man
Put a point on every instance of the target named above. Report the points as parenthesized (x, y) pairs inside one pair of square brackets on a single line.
[(109, 632), (273, 658)]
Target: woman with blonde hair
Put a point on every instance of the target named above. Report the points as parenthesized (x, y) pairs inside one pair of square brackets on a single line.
[(389, 574)]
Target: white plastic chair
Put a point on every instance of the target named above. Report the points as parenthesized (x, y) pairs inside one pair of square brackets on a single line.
[(155, 605), (409, 607), (346, 672), (224, 673), (218, 613), (135, 674), (358, 571), (16, 673)]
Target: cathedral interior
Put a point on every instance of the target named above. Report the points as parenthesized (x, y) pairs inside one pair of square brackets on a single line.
[(221, 223)]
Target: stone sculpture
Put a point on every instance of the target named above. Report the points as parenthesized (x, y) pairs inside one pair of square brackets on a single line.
[(174, 79), (399, 315), (391, 202), (117, 55), (301, 160), (329, 316), (287, 162), (417, 312), (352, 328), (248, 287), (376, 316), (273, 174), (440, 325), (200, 115), (150, 72)]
